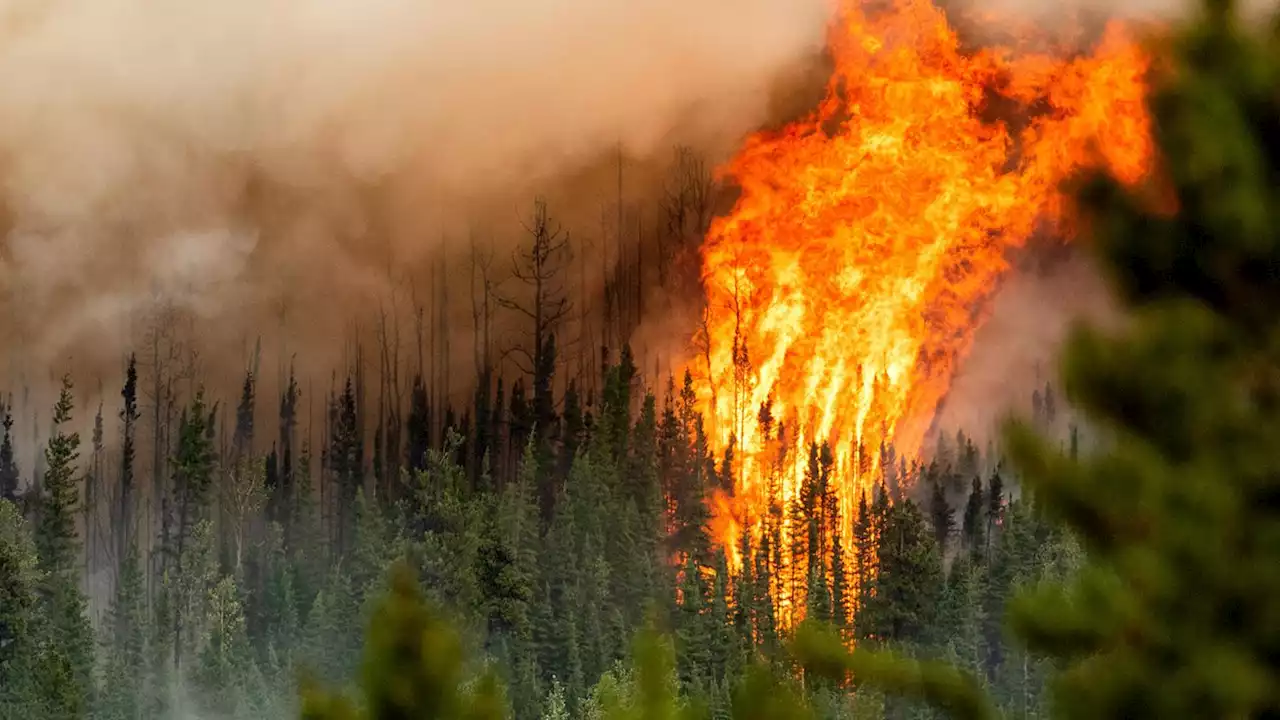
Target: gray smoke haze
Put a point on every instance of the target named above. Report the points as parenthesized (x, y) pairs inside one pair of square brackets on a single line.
[(1017, 349), (262, 164), (209, 155)]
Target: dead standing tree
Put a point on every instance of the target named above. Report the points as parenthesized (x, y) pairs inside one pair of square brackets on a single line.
[(687, 204), (483, 290), (539, 266)]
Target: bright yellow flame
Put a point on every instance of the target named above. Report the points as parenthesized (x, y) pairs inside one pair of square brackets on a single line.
[(848, 279)]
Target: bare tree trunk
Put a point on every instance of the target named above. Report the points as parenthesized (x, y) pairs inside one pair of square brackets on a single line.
[(585, 342), (361, 419), (445, 379), (639, 270), (606, 327), (433, 383)]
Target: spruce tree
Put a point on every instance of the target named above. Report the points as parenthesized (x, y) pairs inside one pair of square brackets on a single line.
[(9, 476), (1172, 614), (56, 537), (126, 513), (346, 464), (414, 667), (694, 634), (839, 579), (125, 645), (908, 578), (19, 579), (864, 564), (66, 663), (974, 526), (941, 515)]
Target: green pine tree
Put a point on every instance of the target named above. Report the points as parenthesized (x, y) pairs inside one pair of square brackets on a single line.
[(414, 667), (66, 659), (124, 686), (1171, 615), (20, 576)]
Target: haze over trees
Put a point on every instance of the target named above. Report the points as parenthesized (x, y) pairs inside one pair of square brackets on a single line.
[(546, 552), (193, 555), (1165, 610)]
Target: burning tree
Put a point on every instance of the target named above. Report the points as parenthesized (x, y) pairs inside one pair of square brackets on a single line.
[(847, 281), (1172, 615)]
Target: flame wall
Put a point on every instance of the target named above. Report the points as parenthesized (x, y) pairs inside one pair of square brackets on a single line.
[(850, 276)]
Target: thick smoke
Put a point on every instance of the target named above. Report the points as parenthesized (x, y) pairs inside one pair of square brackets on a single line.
[(234, 158), (1017, 349)]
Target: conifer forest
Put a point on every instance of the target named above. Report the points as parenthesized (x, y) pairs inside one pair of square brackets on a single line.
[(692, 459)]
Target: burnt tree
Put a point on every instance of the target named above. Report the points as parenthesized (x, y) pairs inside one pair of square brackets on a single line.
[(540, 266)]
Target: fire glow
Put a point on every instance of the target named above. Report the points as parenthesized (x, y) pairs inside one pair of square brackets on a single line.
[(848, 280)]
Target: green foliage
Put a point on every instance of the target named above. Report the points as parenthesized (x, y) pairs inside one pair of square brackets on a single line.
[(549, 531), (56, 537), (125, 677), (413, 667), (823, 654), (224, 655), (1174, 615), (908, 581), (19, 577), (63, 663)]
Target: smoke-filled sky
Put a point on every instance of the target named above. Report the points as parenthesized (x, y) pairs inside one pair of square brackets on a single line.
[(248, 160), (207, 152)]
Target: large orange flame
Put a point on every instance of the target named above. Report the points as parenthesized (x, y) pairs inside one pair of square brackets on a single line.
[(848, 279)]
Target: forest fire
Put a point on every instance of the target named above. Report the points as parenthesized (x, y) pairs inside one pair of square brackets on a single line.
[(849, 278)]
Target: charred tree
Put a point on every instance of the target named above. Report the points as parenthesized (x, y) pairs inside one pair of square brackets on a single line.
[(540, 267)]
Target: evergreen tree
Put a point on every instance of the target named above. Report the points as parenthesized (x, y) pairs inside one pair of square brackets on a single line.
[(329, 646), (126, 513), (941, 514), (973, 528), (308, 549), (286, 499), (413, 668), (1177, 518), (9, 476), (160, 659), (995, 507), (574, 429), (20, 577), (725, 655), (56, 537), (1170, 616), (242, 440), (419, 427), (509, 557), (346, 462), (66, 661), (124, 685), (864, 564), (555, 706), (839, 578), (694, 629), (908, 578)]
